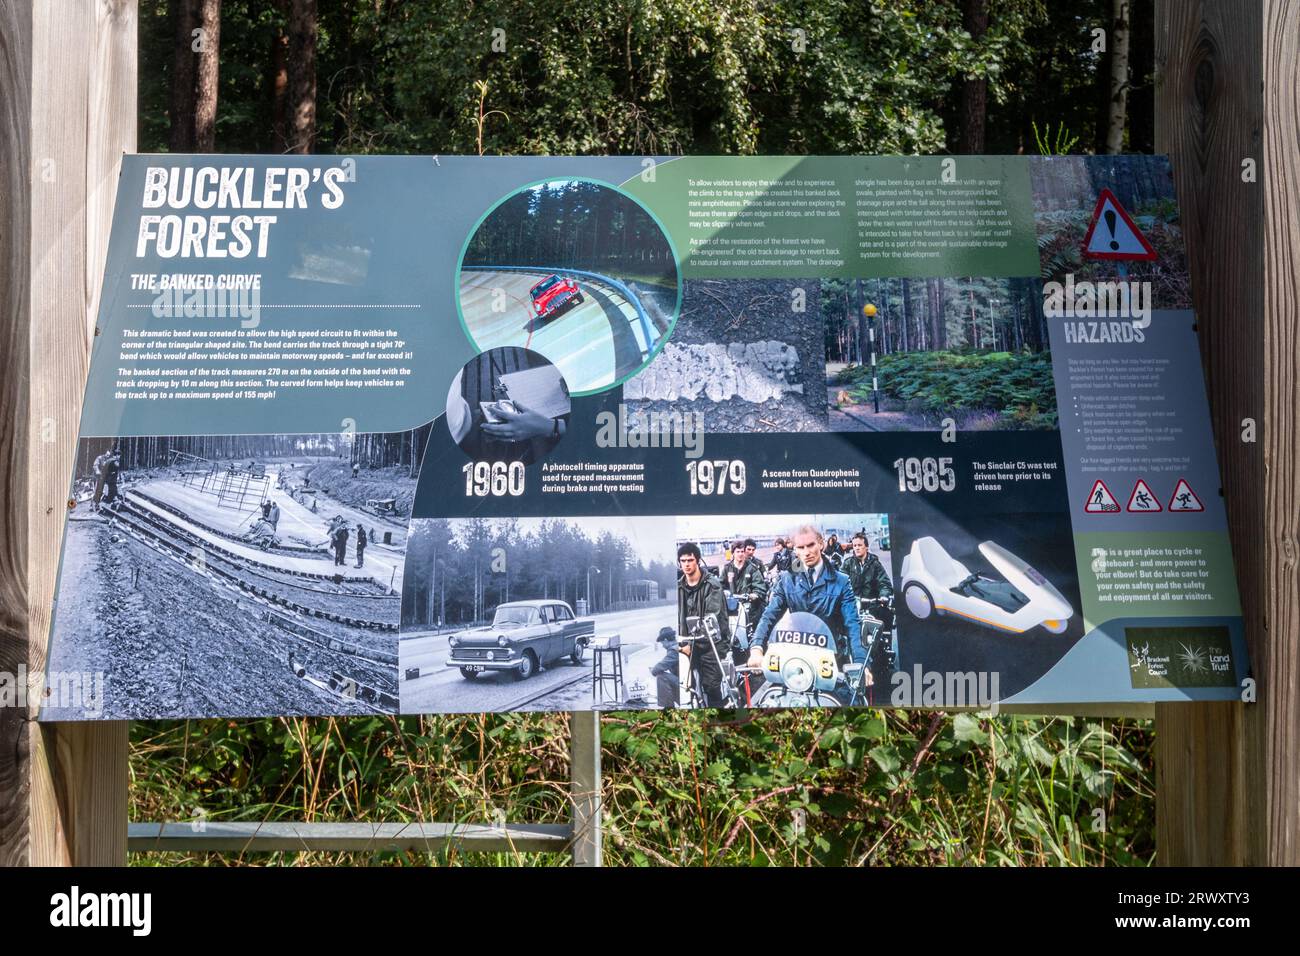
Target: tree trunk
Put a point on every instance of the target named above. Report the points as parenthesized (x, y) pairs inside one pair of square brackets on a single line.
[(195, 76), (975, 90), (207, 76), (185, 16), (277, 88), (300, 93), (904, 329), (1117, 105)]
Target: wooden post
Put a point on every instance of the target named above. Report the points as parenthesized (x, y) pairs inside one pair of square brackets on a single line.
[(1228, 775), (67, 113), (584, 774)]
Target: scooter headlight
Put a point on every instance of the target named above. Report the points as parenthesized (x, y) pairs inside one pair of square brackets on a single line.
[(798, 675)]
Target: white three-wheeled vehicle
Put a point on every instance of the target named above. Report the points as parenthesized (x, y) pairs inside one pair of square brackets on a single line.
[(936, 583)]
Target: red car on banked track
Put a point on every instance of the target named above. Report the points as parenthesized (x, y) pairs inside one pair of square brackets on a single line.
[(553, 295)]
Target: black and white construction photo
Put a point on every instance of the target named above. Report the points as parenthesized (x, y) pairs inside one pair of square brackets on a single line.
[(535, 614), (243, 575)]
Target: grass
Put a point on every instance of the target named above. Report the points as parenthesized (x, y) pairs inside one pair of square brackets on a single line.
[(689, 789)]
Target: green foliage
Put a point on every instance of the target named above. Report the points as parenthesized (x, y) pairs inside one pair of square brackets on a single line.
[(1059, 145), (1016, 385), (779, 788), (629, 76)]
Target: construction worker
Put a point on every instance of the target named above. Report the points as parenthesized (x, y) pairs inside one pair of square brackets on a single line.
[(106, 466)]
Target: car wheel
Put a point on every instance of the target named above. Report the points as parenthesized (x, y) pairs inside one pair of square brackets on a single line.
[(578, 299), (468, 674), (527, 666), (918, 601), (579, 649)]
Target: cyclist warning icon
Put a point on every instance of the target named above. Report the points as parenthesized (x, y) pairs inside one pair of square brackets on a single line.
[(1142, 499), (1184, 498), (1100, 500)]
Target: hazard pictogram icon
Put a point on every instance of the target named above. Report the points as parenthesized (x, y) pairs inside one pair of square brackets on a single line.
[(1142, 498), (1184, 499), (1112, 234), (1100, 500)]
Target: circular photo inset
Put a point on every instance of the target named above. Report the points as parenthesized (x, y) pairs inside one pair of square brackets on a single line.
[(576, 270), (508, 404)]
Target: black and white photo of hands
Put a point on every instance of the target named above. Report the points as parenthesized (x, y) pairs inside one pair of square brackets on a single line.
[(521, 424)]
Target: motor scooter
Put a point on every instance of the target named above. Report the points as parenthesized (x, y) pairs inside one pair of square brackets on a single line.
[(747, 679), (801, 667), (703, 635), (879, 638)]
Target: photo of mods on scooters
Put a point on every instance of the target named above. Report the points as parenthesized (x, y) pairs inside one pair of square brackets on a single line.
[(576, 270), (241, 574), (783, 610), (993, 599), (507, 614)]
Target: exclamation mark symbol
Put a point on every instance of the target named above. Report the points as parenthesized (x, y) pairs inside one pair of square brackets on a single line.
[(1109, 216)]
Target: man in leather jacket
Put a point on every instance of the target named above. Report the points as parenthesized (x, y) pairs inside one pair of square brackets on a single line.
[(818, 589), (700, 595)]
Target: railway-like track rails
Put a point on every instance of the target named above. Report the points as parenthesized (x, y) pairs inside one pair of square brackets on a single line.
[(302, 623)]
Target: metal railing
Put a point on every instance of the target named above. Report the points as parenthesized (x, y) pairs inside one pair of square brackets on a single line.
[(581, 836)]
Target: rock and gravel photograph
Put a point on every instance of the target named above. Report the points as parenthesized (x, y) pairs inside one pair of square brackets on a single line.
[(747, 354)]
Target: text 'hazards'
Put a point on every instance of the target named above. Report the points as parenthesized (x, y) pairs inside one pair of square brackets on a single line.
[(1112, 234), (1142, 499), (1100, 500)]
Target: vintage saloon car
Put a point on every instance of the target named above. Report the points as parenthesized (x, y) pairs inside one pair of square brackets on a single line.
[(523, 636), (553, 295)]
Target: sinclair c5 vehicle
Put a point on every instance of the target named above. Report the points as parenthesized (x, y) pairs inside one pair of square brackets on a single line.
[(936, 583), (553, 295)]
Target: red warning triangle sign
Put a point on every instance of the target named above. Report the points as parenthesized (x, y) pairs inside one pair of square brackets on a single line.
[(1112, 234), (1184, 499), (1100, 500), (1142, 499)]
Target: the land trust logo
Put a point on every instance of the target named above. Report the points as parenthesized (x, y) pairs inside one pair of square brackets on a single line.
[(922, 688), (1098, 300), (75, 908), (71, 690), (651, 430)]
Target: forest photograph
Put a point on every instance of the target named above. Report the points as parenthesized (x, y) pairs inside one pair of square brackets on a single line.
[(461, 569), (575, 224), (971, 350)]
